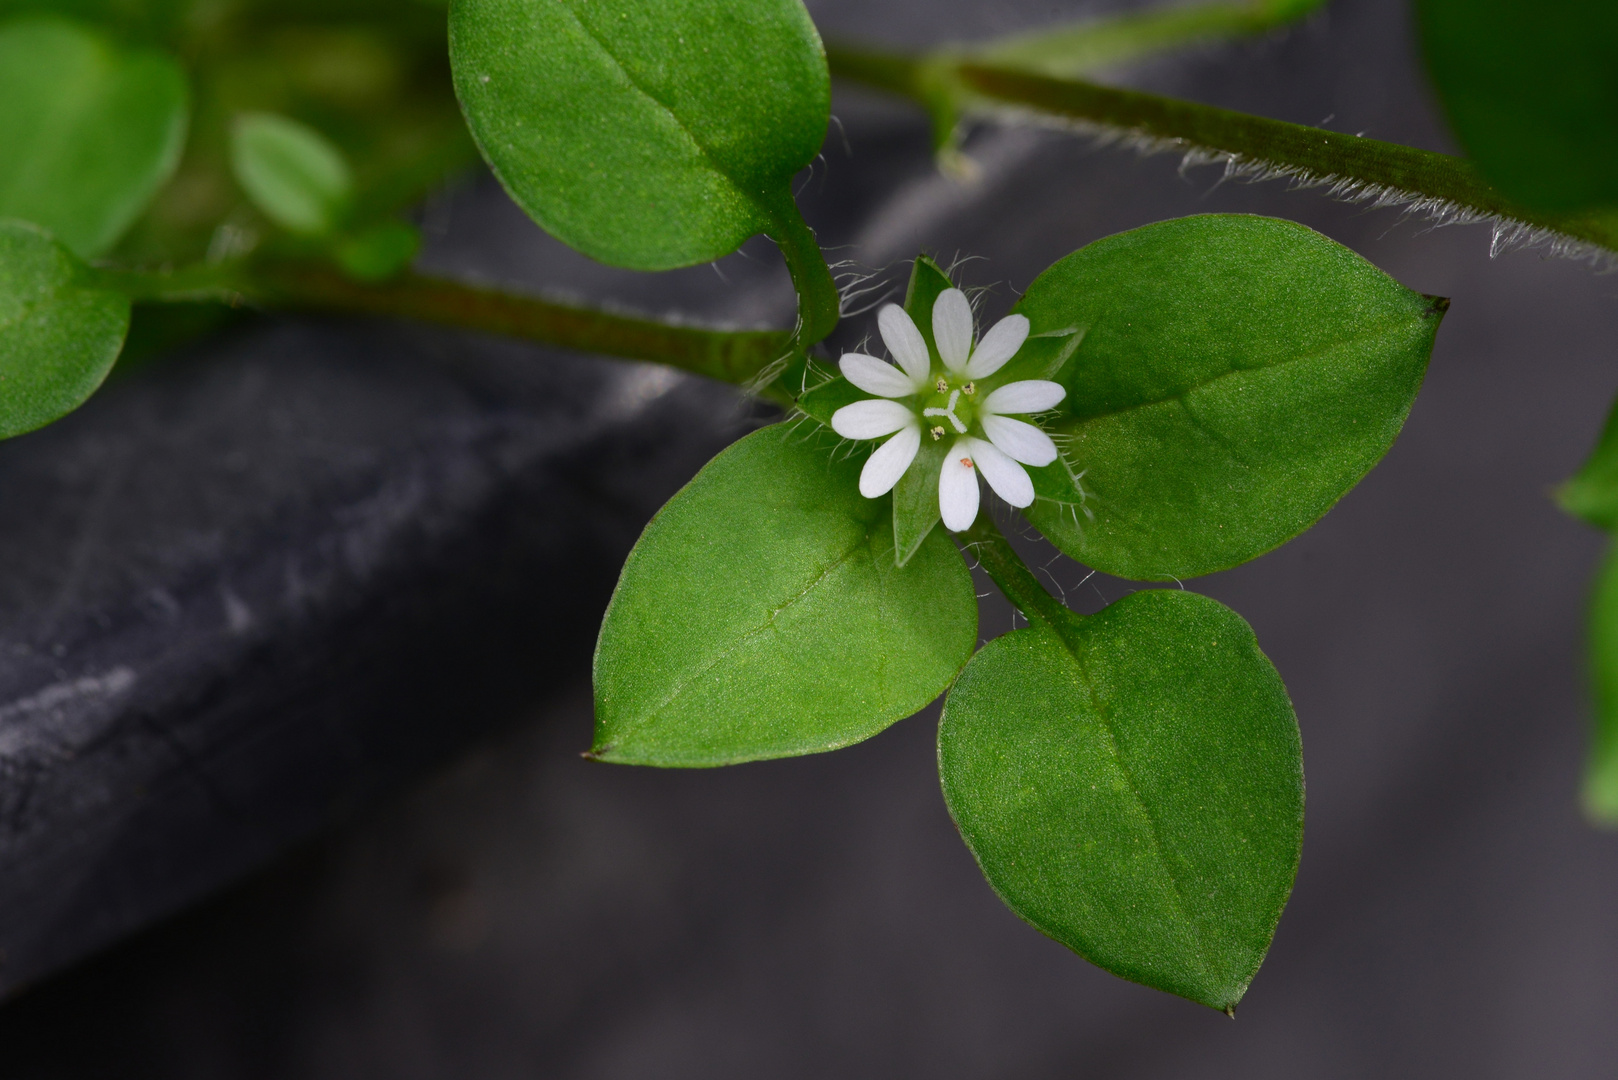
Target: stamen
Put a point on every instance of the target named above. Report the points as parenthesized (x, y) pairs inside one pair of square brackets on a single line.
[(943, 384), (938, 433), (969, 389)]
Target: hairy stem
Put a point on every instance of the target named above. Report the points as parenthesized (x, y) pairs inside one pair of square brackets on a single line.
[(1439, 184), (819, 304), (732, 356), (1008, 571)]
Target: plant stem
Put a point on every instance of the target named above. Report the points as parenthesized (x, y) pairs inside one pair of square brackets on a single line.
[(1007, 569), (819, 303), (1118, 39), (1436, 183), (732, 356)]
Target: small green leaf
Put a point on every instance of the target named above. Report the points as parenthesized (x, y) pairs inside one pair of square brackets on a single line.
[(291, 172), (1234, 377), (1133, 787), (1601, 773), (1532, 92), (88, 131), (1592, 492), (761, 615), (646, 135), (59, 334), (380, 252)]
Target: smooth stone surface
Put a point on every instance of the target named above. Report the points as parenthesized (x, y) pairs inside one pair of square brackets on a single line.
[(249, 592)]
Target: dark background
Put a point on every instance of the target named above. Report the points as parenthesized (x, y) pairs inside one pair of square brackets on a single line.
[(520, 912)]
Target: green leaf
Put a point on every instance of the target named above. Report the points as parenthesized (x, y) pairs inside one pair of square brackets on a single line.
[(291, 172), (59, 333), (380, 252), (1601, 773), (1235, 377), (644, 135), (1592, 492), (1133, 787), (761, 615), (1532, 92), (90, 131)]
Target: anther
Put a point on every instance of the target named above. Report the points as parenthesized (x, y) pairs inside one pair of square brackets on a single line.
[(943, 385), (938, 433), (970, 388)]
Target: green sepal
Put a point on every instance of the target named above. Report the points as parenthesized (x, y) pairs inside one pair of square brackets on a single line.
[(1132, 785), (915, 497), (820, 402)]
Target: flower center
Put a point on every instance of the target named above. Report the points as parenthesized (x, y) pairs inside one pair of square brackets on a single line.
[(950, 410)]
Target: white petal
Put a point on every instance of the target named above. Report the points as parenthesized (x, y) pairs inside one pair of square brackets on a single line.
[(890, 461), (871, 419), (958, 488), (876, 376), (905, 342), (1022, 442), (952, 328), (1008, 479), (998, 345), (1028, 396)]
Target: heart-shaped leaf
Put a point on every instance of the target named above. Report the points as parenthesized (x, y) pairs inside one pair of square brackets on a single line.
[(1133, 787), (1235, 377), (88, 131), (647, 135), (59, 334), (761, 614)]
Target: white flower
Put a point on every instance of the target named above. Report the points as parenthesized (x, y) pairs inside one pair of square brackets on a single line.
[(955, 399)]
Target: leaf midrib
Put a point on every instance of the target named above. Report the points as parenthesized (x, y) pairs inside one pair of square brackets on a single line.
[(1386, 328), (702, 148), (1159, 844), (742, 640)]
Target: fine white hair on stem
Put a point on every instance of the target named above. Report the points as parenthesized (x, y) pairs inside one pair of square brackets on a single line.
[(1508, 233)]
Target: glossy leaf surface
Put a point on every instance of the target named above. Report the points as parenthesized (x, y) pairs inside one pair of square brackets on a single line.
[(291, 172), (1235, 377), (761, 615), (647, 135), (88, 131), (59, 334), (1134, 788), (1532, 91)]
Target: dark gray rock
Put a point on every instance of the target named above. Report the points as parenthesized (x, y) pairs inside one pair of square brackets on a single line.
[(249, 592)]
